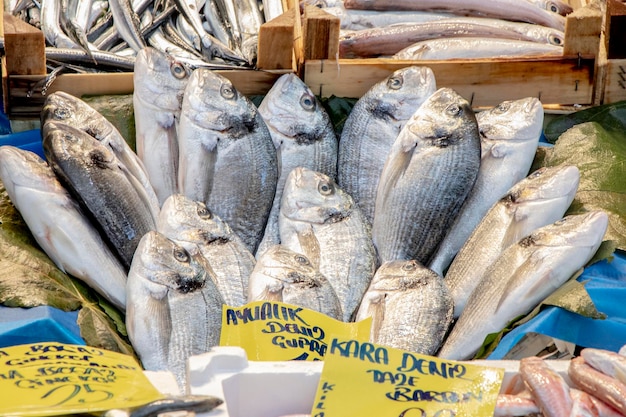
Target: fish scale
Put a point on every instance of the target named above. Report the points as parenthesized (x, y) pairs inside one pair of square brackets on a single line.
[(429, 172)]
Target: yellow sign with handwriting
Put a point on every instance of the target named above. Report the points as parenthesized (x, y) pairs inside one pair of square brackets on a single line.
[(275, 331), (47, 379), (365, 379)]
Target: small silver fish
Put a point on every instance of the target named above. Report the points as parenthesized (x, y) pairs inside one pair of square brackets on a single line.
[(410, 307), (321, 221)]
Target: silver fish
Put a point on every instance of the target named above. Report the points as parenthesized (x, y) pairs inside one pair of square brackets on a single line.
[(59, 225), (127, 23), (97, 180), (554, 6), (522, 11), (227, 158), (354, 19), (537, 200), (410, 307), (526, 273), (321, 221), (190, 222), (303, 136), (287, 276), (371, 128), (174, 309), (51, 26), (389, 40), (509, 134), (159, 84), (468, 48), (428, 174), (66, 108)]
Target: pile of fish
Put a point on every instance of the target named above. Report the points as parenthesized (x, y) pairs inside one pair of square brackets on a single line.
[(446, 29), (107, 34), (421, 212)]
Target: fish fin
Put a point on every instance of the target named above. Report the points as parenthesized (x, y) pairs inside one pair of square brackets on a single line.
[(376, 310), (272, 293), (499, 150), (310, 246), (519, 291), (395, 167)]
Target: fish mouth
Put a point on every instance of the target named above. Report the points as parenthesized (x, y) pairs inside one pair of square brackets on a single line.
[(186, 285)]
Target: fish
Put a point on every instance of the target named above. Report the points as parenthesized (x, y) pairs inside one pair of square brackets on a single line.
[(221, 129), (59, 225), (283, 275), (540, 199), (608, 362), (410, 307), (371, 128), (303, 135), (555, 6), (605, 388), (64, 107), (521, 11), (95, 178), (525, 274), (508, 405), (355, 19), (389, 40), (549, 390), (321, 221), (191, 224), (174, 309), (429, 172), (170, 404), (127, 23), (159, 84), (51, 25), (475, 47), (509, 135)]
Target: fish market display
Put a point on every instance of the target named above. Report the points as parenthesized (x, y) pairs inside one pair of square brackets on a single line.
[(63, 107), (303, 136), (467, 48), (371, 128), (159, 83), (410, 307), (522, 276), (509, 134), (600, 385), (283, 275), (92, 173), (321, 221), (389, 40), (174, 308), (221, 129), (192, 225), (538, 200), (59, 225), (428, 174)]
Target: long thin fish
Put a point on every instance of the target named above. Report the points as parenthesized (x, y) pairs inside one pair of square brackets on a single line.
[(59, 225), (427, 176), (525, 273), (127, 23)]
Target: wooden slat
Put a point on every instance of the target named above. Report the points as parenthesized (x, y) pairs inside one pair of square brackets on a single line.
[(321, 34), (24, 46), (483, 82), (615, 83), (276, 40), (582, 31)]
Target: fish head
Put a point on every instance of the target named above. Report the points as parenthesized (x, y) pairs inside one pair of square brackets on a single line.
[(21, 168), (162, 261), (443, 120), (291, 108), (401, 275), (312, 197), (280, 262), (544, 186), (550, 36), (511, 121), (580, 231), (407, 88), (212, 102), (189, 220), (160, 79)]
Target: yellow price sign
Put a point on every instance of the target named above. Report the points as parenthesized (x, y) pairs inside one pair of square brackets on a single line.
[(47, 379), (275, 331), (361, 378)]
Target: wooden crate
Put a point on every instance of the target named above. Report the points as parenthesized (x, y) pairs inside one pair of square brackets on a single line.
[(611, 79), (558, 81)]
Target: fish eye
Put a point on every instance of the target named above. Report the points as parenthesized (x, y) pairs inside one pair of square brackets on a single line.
[(204, 212), (227, 91), (301, 259), (325, 188), (178, 70), (62, 113), (181, 255), (409, 266), (555, 40), (503, 107), (554, 8), (453, 109), (307, 102), (395, 82)]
